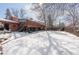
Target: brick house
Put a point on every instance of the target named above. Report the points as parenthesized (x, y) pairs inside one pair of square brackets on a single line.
[(8, 24), (34, 25), (15, 24), (30, 24)]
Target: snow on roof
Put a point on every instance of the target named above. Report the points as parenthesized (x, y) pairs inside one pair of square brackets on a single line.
[(6, 20), (39, 21), (36, 22), (50, 42)]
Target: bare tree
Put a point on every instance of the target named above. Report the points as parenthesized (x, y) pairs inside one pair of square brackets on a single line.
[(55, 10), (8, 13), (50, 12), (50, 22), (15, 12), (22, 13), (73, 12), (19, 13)]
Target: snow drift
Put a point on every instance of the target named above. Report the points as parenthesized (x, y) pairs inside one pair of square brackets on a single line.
[(43, 43)]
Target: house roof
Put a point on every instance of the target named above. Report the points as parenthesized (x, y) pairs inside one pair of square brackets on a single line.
[(31, 23), (6, 20), (22, 20), (30, 19)]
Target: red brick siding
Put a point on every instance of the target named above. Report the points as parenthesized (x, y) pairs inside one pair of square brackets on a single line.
[(13, 27)]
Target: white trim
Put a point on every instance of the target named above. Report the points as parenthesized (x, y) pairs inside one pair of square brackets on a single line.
[(6, 20)]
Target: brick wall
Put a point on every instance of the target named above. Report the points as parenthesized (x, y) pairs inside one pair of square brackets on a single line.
[(13, 27), (34, 24)]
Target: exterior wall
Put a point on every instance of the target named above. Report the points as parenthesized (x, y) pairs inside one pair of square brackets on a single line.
[(13, 27), (14, 18), (28, 24), (33, 24)]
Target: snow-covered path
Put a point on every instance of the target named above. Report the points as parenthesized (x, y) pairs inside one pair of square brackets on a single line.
[(44, 43)]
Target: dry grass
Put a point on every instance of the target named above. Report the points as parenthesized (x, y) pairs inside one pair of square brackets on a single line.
[(70, 30)]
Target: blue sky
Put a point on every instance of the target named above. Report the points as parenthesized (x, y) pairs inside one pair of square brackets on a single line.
[(4, 6)]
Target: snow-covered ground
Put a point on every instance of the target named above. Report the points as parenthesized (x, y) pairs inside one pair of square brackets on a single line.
[(42, 43)]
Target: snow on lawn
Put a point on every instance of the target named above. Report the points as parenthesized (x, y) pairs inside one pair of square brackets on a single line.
[(44, 43)]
